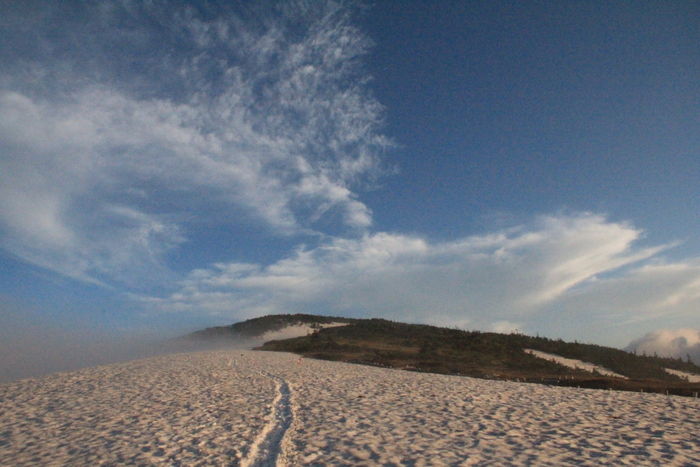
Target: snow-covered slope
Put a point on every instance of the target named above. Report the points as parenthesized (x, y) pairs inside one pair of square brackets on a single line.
[(575, 364), (296, 330)]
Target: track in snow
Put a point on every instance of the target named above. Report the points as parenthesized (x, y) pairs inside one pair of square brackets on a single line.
[(267, 446)]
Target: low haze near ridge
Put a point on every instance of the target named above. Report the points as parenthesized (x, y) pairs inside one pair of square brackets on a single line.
[(174, 168)]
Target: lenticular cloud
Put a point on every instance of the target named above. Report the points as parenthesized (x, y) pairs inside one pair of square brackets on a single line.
[(121, 124)]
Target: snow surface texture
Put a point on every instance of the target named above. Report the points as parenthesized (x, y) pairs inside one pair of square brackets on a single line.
[(266, 408), (575, 364), (265, 450)]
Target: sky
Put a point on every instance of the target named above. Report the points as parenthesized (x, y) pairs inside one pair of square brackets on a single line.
[(524, 166)]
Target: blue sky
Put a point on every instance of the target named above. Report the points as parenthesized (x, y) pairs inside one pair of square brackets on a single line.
[(487, 165)]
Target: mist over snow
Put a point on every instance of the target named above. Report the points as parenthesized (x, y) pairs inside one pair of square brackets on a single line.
[(33, 344), (673, 343), (223, 161)]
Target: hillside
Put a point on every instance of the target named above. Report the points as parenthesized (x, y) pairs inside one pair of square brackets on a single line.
[(486, 355), (434, 349), (256, 328)]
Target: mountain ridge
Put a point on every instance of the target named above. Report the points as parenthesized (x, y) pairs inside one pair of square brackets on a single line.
[(257, 327), (421, 347)]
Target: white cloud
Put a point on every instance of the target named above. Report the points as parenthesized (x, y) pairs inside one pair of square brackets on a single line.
[(116, 137), (223, 119), (669, 343), (654, 292), (491, 281)]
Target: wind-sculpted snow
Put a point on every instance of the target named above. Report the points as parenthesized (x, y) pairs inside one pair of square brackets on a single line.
[(264, 408)]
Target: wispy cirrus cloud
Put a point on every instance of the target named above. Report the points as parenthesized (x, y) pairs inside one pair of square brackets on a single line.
[(126, 126), (504, 279), (122, 124)]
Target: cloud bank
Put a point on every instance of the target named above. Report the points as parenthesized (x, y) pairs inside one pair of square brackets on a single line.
[(672, 343), (559, 265), (123, 125)]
